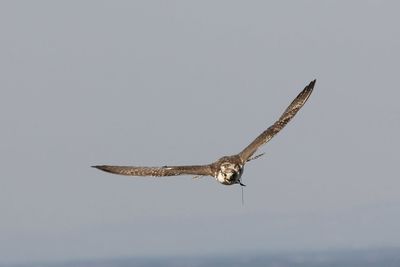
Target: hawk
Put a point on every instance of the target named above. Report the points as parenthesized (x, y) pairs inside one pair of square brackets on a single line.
[(227, 170)]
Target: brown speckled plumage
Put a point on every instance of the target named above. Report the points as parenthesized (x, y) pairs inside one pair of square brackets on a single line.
[(228, 169)]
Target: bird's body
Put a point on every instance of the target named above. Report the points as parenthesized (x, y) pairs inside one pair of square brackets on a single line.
[(227, 170)]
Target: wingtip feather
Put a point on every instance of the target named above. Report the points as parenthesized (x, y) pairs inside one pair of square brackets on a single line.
[(312, 83), (100, 167)]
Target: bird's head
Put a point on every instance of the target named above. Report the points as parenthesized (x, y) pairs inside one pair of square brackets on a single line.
[(229, 173)]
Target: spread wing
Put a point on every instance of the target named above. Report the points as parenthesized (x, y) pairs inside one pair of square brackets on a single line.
[(289, 113), (202, 170)]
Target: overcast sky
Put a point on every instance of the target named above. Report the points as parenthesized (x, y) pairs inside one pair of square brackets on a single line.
[(185, 82)]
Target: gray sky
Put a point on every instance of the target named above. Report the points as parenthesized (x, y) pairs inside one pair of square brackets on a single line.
[(185, 82)]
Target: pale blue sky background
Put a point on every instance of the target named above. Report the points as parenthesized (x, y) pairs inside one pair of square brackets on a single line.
[(185, 82)]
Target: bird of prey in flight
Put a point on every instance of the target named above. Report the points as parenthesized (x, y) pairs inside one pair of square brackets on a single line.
[(227, 170)]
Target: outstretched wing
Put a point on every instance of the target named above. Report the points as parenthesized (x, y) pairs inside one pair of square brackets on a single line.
[(289, 113), (202, 170)]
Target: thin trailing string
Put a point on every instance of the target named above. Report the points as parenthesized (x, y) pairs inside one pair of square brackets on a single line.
[(242, 196)]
